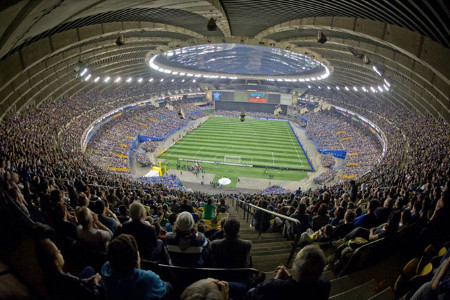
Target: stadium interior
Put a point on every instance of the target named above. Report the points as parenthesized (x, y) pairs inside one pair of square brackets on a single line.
[(230, 149)]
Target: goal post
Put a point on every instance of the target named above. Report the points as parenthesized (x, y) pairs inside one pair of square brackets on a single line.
[(233, 159)]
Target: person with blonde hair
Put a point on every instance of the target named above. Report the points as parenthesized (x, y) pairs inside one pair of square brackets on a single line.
[(206, 289)]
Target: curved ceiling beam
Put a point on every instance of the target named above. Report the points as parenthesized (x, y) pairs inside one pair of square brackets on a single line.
[(299, 24)]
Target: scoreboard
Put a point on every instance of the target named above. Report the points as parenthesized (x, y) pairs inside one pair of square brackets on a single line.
[(247, 96)]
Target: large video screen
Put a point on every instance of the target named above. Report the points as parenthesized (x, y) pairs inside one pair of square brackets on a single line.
[(258, 97)]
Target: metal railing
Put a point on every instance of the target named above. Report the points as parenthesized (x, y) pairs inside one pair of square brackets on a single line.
[(240, 204)]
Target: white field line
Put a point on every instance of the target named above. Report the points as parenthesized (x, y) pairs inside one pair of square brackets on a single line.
[(198, 151), (292, 141)]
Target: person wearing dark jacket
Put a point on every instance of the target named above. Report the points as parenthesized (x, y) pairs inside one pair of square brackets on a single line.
[(231, 252), (150, 247), (304, 283)]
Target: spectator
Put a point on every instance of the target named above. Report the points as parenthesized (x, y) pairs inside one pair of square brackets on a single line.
[(321, 219), (122, 276), (186, 246), (305, 282), (61, 285), (369, 219), (150, 247), (206, 289), (105, 215), (231, 252), (90, 231), (208, 210), (261, 218)]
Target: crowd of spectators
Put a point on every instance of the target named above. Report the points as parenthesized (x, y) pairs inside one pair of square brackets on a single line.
[(327, 160), (167, 181), (275, 189), (53, 182)]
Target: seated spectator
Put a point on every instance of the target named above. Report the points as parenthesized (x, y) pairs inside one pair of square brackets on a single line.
[(343, 229), (106, 216), (369, 219), (90, 231), (221, 215), (231, 252), (61, 285), (186, 246), (66, 232), (339, 213), (375, 233), (123, 214), (185, 207), (206, 289), (144, 233), (169, 225), (382, 213), (304, 218), (321, 219), (304, 283), (122, 276)]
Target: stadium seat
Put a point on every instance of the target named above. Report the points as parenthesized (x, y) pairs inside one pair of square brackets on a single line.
[(401, 285), (437, 259), (427, 255)]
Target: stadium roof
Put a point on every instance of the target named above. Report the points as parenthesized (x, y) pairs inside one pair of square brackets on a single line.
[(44, 44)]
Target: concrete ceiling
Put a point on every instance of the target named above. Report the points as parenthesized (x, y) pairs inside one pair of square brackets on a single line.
[(43, 41)]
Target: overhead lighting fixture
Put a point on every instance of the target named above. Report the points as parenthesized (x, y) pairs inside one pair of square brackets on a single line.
[(87, 77), (380, 89), (118, 79), (328, 87), (319, 87), (386, 87), (347, 89), (387, 82), (364, 89), (337, 88), (107, 79), (172, 80), (129, 79), (193, 80), (376, 70), (372, 89), (309, 86), (162, 79), (97, 79), (140, 80), (83, 72), (182, 80), (150, 80), (355, 88)]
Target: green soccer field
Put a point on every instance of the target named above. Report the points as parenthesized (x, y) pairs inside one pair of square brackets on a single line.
[(255, 142)]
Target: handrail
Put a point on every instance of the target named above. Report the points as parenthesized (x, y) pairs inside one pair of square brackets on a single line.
[(297, 238)]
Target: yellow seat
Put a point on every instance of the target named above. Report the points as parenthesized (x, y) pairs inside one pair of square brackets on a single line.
[(437, 259), (423, 276), (408, 272), (426, 257)]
